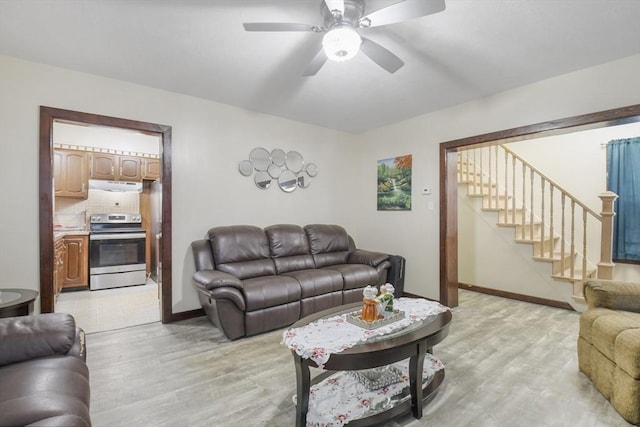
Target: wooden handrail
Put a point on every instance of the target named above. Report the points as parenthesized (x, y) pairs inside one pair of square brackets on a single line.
[(569, 245), (553, 183)]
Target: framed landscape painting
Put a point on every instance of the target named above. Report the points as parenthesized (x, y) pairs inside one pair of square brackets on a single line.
[(394, 184)]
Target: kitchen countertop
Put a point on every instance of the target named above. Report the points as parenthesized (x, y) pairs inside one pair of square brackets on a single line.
[(58, 234)]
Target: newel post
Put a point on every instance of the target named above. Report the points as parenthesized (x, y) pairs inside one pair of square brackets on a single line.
[(605, 266)]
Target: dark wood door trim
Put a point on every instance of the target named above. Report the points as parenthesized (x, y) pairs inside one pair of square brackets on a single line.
[(47, 116), (449, 185)]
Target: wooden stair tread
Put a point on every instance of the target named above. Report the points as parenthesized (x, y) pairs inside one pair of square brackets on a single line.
[(577, 275), (545, 250)]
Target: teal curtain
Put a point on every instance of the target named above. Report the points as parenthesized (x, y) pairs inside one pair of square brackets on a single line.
[(623, 167)]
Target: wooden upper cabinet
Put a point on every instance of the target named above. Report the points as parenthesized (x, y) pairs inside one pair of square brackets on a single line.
[(113, 167), (70, 173), (103, 166), (150, 169), (129, 168)]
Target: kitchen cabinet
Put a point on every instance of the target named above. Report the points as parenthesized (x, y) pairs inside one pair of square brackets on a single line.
[(70, 174), (103, 166), (59, 254), (150, 169), (130, 168), (76, 261), (114, 167)]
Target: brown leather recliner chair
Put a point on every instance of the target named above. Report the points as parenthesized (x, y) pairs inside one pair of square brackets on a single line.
[(251, 280), (44, 380)]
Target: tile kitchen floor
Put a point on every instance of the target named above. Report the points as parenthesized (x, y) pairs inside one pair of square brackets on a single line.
[(109, 309)]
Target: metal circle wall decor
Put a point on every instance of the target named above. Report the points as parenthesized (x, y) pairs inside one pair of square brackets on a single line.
[(278, 157), (260, 159), (287, 181), (289, 170), (262, 180), (312, 169), (304, 180), (245, 167), (294, 161)]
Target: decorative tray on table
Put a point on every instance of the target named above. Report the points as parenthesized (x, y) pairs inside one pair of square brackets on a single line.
[(354, 318)]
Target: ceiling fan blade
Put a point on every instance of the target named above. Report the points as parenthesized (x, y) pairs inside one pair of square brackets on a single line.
[(335, 5), (381, 56), (277, 26), (316, 63), (402, 11)]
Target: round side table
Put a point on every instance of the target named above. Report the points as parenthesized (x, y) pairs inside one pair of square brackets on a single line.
[(16, 302)]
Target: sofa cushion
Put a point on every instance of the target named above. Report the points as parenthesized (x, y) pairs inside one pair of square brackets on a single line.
[(46, 391), (588, 317), (329, 244), (627, 351), (317, 282), (321, 302), (607, 328), (625, 396), (241, 250), (287, 240), (29, 337), (356, 275), (269, 291), (268, 319), (289, 248)]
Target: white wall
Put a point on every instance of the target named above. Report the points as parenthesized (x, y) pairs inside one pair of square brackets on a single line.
[(586, 178), (489, 257), (210, 138), (107, 138), (415, 234)]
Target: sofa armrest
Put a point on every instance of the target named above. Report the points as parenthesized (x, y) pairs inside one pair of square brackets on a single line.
[(29, 337), (79, 347), (373, 259), (210, 279), (612, 294), (384, 265), (220, 285)]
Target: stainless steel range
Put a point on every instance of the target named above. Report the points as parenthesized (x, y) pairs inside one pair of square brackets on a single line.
[(117, 245)]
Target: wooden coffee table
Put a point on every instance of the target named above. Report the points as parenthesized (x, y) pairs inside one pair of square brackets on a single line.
[(16, 302), (412, 342)]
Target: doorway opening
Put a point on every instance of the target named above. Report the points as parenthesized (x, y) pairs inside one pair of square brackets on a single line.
[(49, 116), (449, 181)]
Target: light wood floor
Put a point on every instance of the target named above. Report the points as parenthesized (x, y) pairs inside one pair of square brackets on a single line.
[(508, 363), (109, 309)]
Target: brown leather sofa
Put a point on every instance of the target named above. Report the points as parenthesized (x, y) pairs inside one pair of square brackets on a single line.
[(252, 280), (44, 380), (609, 343)]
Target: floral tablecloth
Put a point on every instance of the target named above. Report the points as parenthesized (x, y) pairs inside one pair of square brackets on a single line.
[(341, 398), (320, 339)]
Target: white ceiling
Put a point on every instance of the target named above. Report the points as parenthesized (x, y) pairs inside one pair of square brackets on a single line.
[(198, 47)]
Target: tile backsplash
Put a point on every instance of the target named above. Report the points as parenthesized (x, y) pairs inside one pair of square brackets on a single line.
[(100, 202)]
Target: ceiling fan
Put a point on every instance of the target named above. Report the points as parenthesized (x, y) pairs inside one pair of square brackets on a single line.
[(341, 22)]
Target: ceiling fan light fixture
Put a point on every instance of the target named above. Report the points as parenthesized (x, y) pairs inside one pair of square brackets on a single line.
[(341, 43)]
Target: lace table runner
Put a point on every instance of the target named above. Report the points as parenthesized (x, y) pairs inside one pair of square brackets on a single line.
[(320, 339), (341, 398)]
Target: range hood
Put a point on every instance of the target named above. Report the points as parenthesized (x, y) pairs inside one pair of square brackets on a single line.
[(121, 186)]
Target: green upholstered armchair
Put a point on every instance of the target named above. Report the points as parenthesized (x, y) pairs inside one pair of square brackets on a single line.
[(609, 343)]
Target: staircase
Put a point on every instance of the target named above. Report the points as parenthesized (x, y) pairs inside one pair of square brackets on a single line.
[(561, 230)]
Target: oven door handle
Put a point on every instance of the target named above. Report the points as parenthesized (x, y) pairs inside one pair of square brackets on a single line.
[(117, 236)]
